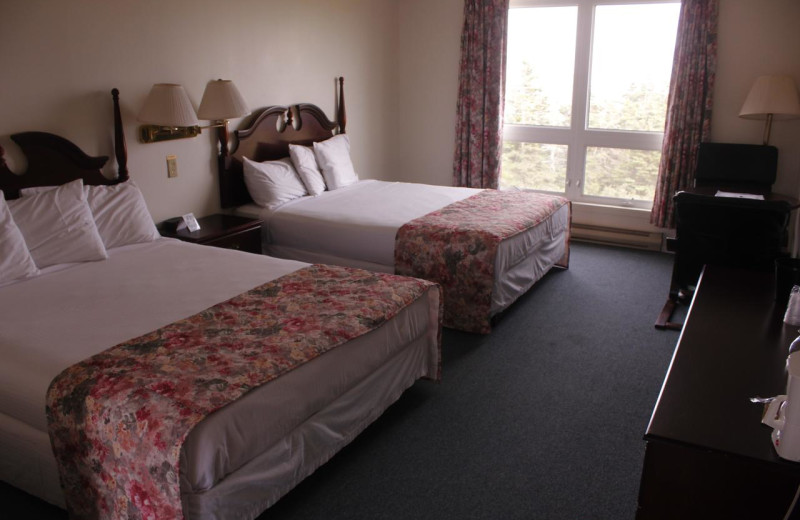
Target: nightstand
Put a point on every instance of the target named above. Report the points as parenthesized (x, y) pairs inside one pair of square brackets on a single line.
[(220, 230)]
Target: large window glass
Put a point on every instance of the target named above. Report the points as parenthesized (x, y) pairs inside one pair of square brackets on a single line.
[(538, 80), (586, 94), (535, 164), (621, 173)]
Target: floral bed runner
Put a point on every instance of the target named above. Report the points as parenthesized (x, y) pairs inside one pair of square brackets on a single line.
[(456, 247), (118, 419)]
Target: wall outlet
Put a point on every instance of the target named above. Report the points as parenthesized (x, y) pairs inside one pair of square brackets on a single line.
[(172, 166)]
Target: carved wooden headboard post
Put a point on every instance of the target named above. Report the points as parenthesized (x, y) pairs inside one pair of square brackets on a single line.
[(3, 165), (341, 113), (53, 160), (223, 138), (120, 148)]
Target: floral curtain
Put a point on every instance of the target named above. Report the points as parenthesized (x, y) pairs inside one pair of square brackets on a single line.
[(479, 124), (688, 121)]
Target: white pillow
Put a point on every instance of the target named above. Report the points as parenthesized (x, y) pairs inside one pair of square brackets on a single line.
[(57, 225), (306, 165), (119, 211), (15, 260), (333, 158), (272, 181), (121, 215)]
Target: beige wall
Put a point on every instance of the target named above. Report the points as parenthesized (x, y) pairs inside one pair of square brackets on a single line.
[(399, 59), (61, 59), (427, 88), (758, 38)]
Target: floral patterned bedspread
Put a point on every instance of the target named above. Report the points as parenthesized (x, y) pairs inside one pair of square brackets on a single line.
[(456, 247), (118, 419)]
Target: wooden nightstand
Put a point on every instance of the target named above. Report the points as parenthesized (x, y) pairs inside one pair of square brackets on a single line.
[(228, 231)]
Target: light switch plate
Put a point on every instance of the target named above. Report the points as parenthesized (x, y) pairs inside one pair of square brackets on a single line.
[(172, 166)]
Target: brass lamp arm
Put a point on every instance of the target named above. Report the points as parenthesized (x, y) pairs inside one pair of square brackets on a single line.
[(157, 133)]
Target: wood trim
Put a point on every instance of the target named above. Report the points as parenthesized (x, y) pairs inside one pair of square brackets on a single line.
[(664, 320), (120, 148), (267, 138), (53, 160), (341, 113)]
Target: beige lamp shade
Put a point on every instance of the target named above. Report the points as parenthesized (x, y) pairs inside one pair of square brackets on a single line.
[(776, 95), (168, 105), (221, 101)]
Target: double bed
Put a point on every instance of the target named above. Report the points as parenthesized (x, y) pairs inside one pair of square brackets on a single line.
[(376, 225), (92, 352)]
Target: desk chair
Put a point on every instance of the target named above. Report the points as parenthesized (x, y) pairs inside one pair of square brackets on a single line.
[(747, 168), (734, 232)]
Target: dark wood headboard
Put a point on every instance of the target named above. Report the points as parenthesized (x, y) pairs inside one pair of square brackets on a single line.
[(53, 160), (268, 137)]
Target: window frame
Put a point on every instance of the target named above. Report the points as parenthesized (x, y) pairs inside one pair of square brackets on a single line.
[(578, 136)]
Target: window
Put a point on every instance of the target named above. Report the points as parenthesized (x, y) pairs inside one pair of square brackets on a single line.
[(586, 96)]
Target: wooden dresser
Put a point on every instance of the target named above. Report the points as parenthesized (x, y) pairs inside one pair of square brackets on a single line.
[(707, 454)]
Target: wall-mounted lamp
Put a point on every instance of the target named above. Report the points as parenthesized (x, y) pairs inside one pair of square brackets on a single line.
[(222, 101), (771, 97), (168, 113)]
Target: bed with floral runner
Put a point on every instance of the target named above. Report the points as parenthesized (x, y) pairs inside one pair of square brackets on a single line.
[(457, 246), (117, 420), (201, 392), (291, 167)]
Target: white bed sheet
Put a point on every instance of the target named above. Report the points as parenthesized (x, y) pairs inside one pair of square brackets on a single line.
[(359, 221), (141, 282), (356, 227), (55, 320)]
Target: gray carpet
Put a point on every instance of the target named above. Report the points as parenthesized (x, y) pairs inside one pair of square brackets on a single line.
[(542, 419)]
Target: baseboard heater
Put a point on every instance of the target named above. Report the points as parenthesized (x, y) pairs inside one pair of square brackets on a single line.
[(650, 240)]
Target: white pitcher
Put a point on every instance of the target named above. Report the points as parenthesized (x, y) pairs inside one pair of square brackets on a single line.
[(783, 414)]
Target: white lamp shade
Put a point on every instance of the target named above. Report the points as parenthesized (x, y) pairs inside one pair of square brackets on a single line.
[(222, 100), (776, 95), (168, 105)]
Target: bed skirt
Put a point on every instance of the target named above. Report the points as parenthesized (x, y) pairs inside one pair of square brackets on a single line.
[(29, 465), (522, 260)]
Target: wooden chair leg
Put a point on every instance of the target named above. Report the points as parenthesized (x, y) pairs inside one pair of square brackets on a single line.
[(663, 321), (675, 294)]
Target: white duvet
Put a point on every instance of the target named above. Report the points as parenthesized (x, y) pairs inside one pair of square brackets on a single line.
[(356, 226), (359, 221), (70, 313), (60, 318)]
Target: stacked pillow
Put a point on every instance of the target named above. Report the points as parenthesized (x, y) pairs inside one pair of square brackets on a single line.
[(306, 165), (69, 223), (333, 158), (272, 182), (121, 214), (309, 170), (15, 259)]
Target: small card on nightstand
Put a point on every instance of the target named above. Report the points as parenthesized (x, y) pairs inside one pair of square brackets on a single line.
[(189, 222)]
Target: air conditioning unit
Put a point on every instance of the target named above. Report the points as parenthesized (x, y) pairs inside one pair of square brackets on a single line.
[(649, 240)]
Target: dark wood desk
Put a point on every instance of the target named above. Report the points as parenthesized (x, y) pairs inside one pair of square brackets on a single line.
[(707, 454)]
